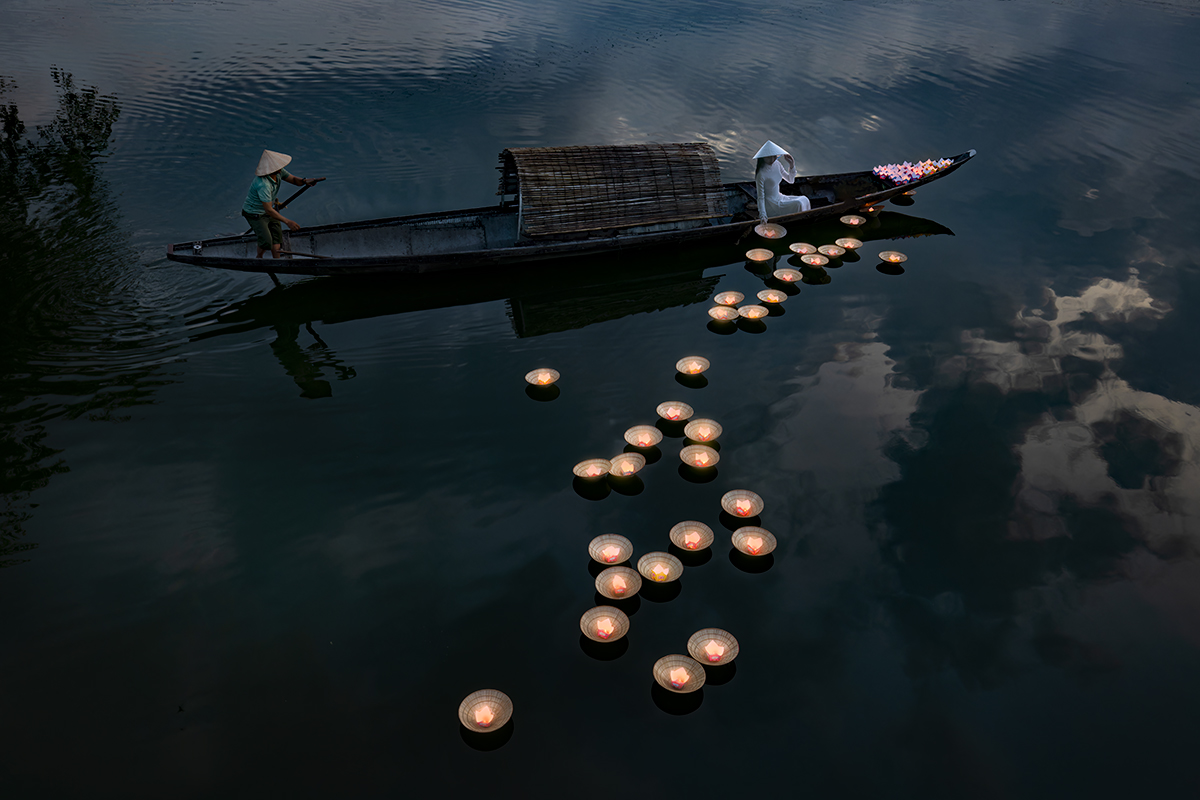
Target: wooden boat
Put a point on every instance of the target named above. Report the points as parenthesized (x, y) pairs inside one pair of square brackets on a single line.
[(558, 203)]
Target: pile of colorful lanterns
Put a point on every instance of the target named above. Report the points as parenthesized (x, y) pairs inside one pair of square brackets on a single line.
[(909, 172)]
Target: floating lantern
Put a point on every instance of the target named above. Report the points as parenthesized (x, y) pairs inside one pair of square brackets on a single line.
[(679, 674), (592, 469), (617, 583), (699, 456), (892, 256), (610, 548), (713, 646), (485, 711), (815, 260), (848, 242), (604, 624), (702, 430), (831, 250), (753, 541), (752, 312), (872, 211), (643, 436), (788, 275), (692, 535), (660, 567), (801, 248), (728, 299), (692, 365), (772, 296), (742, 503), (723, 313), (626, 464), (853, 220), (759, 254), (674, 411), (542, 377), (769, 230)]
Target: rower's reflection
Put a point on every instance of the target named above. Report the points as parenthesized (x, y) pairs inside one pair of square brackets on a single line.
[(307, 365)]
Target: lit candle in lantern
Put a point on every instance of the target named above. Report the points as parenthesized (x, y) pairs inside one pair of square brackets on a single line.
[(703, 433), (691, 540), (618, 585), (484, 715), (714, 649), (743, 508), (595, 471), (893, 256), (604, 627), (753, 544), (679, 677), (660, 572), (645, 439), (626, 468), (545, 377), (693, 367), (611, 553), (671, 412), (701, 459)]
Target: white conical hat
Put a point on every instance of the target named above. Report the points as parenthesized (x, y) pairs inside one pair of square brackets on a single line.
[(271, 161), (770, 149)]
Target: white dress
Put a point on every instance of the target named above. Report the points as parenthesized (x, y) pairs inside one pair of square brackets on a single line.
[(772, 202)]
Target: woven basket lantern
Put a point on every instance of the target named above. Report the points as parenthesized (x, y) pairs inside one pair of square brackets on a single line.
[(542, 377), (787, 274), (872, 211), (772, 296), (815, 260), (723, 313), (769, 230), (660, 567), (485, 702), (702, 430), (692, 536), (728, 298), (742, 503), (853, 220), (605, 541), (713, 647), (595, 622), (675, 411), (744, 540), (753, 312), (626, 465), (848, 242), (892, 256), (831, 250), (592, 469), (692, 365), (604, 582), (699, 456), (665, 666), (643, 436), (759, 254), (801, 248)]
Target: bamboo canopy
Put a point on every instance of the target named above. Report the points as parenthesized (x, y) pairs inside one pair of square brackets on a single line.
[(565, 190)]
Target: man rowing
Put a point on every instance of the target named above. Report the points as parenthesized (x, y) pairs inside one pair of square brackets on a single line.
[(259, 208)]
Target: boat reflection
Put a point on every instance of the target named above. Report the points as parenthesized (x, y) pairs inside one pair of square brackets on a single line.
[(541, 300)]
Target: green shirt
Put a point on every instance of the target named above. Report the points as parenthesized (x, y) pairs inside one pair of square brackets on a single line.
[(263, 190)]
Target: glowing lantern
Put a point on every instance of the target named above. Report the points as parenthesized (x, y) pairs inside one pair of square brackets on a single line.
[(722, 313), (611, 553), (692, 365), (753, 312), (484, 715), (893, 256), (801, 248), (743, 508), (660, 572), (753, 544), (853, 220), (542, 377), (699, 456), (714, 650), (604, 627), (831, 250), (691, 540), (618, 585), (815, 260), (787, 274), (848, 242), (679, 677), (627, 464), (729, 298), (759, 254)]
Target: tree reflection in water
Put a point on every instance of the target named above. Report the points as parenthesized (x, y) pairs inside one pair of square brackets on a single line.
[(61, 254)]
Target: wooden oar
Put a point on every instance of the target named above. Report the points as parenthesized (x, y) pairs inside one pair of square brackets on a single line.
[(306, 255)]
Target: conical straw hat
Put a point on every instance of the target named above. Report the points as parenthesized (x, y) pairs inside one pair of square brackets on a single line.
[(770, 149), (271, 161)]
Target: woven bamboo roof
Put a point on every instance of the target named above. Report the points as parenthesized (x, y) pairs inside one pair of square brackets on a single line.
[(578, 189)]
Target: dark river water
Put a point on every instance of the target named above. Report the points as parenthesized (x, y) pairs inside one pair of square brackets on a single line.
[(261, 541)]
